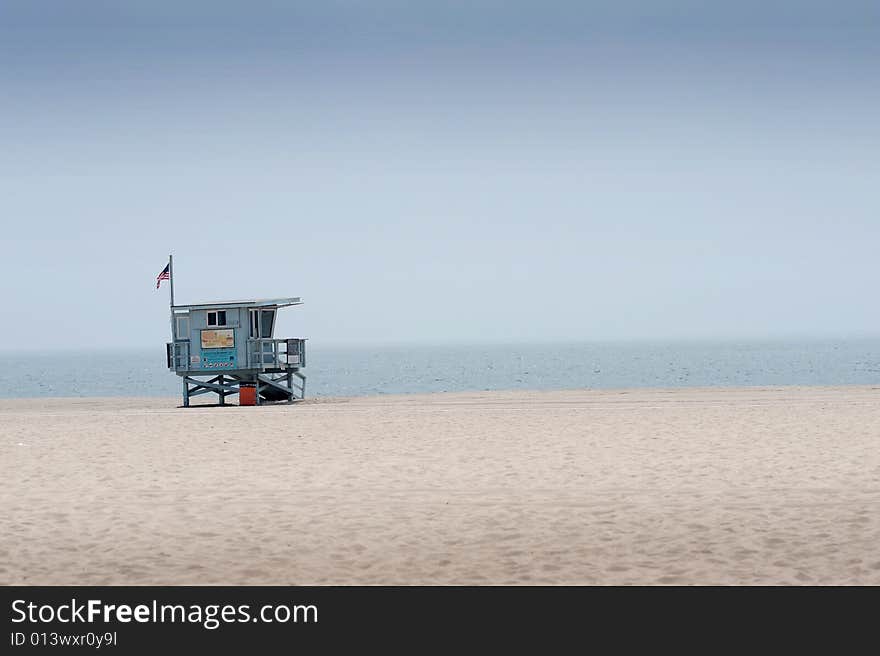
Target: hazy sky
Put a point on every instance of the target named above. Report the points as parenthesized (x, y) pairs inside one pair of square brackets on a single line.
[(432, 171)]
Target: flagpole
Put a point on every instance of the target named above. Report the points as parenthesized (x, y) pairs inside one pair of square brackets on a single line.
[(171, 276), (171, 280)]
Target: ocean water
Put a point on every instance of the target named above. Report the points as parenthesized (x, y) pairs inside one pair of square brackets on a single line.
[(360, 371)]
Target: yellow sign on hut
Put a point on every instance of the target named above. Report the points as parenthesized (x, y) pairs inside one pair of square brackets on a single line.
[(213, 339)]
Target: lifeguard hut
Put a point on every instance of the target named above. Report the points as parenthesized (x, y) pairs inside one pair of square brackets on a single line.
[(229, 347)]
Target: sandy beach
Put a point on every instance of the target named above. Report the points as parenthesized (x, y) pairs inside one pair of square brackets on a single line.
[(697, 486)]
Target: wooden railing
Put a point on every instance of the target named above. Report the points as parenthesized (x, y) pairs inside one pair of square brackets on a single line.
[(276, 353), (263, 354), (177, 355)]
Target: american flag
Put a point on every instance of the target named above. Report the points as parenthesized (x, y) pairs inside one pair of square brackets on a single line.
[(165, 275)]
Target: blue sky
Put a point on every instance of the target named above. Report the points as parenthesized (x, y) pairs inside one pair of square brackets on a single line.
[(464, 171)]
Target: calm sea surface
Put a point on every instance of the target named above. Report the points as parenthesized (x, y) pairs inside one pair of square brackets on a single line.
[(393, 370)]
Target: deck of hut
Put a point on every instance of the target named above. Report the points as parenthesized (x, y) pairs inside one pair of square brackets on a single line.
[(225, 347)]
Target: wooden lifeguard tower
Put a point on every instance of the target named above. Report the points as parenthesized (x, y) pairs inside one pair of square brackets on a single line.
[(229, 347)]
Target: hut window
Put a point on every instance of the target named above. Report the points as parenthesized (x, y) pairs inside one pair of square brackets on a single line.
[(217, 318), (267, 318)]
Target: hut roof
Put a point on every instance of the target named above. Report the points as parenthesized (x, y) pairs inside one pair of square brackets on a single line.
[(253, 302)]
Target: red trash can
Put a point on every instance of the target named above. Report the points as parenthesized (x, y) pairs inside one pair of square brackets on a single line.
[(247, 394)]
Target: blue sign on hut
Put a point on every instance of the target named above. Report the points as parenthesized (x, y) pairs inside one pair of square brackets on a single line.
[(229, 347)]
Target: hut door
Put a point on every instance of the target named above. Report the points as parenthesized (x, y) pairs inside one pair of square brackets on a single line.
[(261, 323), (267, 319), (254, 323)]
